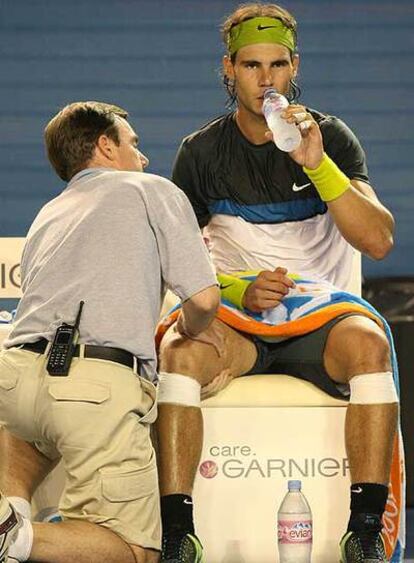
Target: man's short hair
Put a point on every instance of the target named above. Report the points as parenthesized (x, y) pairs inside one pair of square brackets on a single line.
[(72, 134)]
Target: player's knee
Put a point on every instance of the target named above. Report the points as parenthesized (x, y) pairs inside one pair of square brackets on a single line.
[(197, 359), (373, 350), (180, 355), (359, 346)]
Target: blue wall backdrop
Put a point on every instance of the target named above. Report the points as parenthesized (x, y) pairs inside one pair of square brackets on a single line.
[(160, 59)]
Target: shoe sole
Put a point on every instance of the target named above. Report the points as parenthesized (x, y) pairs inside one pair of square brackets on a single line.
[(199, 549), (342, 547), (199, 558), (343, 556)]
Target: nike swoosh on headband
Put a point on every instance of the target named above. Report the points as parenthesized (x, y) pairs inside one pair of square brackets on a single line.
[(296, 188), (261, 27)]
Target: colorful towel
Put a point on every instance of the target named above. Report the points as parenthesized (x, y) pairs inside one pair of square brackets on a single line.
[(306, 308)]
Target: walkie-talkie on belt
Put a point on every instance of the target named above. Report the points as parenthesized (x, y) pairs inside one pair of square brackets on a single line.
[(63, 347)]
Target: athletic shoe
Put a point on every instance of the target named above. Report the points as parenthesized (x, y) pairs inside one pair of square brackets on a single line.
[(9, 524), (363, 547), (177, 548)]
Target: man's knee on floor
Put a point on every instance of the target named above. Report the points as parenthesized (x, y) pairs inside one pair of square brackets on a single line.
[(144, 555)]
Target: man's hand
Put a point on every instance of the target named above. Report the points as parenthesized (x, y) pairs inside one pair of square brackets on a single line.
[(214, 335), (268, 290), (309, 153), (217, 384)]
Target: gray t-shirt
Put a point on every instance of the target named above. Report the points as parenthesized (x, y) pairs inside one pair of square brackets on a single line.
[(115, 240)]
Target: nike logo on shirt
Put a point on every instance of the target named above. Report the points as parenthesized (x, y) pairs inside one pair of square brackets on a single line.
[(296, 188)]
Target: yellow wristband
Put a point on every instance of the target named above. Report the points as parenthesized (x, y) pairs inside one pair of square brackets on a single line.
[(233, 289), (328, 179)]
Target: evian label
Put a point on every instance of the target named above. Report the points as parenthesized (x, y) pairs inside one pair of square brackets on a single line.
[(299, 531)]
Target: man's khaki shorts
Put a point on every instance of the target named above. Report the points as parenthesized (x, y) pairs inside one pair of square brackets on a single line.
[(97, 420)]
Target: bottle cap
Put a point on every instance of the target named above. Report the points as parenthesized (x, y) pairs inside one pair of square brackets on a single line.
[(294, 485), (270, 92)]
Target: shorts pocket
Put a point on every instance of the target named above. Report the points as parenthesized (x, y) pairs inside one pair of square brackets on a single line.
[(131, 485), (79, 416), (80, 391), (149, 389), (8, 398), (11, 359), (8, 381)]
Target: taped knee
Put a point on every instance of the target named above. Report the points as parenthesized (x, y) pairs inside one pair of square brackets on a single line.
[(373, 389), (178, 389)]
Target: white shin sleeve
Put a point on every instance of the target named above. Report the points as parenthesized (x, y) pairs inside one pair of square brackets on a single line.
[(178, 389), (373, 389)]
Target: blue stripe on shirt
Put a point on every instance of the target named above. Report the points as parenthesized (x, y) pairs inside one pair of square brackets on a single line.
[(295, 210)]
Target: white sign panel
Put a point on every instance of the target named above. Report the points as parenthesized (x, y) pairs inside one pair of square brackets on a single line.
[(10, 255), (248, 457)]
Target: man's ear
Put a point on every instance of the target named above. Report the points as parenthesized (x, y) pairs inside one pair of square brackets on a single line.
[(105, 146), (228, 68)]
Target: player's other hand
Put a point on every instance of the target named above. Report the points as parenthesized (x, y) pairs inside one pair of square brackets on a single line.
[(268, 290)]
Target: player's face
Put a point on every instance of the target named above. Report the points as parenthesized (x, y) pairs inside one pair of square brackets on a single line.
[(127, 156), (258, 67)]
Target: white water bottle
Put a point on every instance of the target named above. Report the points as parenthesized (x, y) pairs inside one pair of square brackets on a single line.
[(286, 135), (294, 526)]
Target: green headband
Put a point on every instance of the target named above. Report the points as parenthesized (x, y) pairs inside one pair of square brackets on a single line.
[(260, 30)]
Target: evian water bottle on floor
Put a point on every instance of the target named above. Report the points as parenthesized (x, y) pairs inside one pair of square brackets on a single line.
[(294, 523)]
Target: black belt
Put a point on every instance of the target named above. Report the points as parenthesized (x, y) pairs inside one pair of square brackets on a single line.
[(99, 352)]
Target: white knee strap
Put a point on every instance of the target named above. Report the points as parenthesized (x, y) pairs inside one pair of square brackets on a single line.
[(373, 389), (178, 389)]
